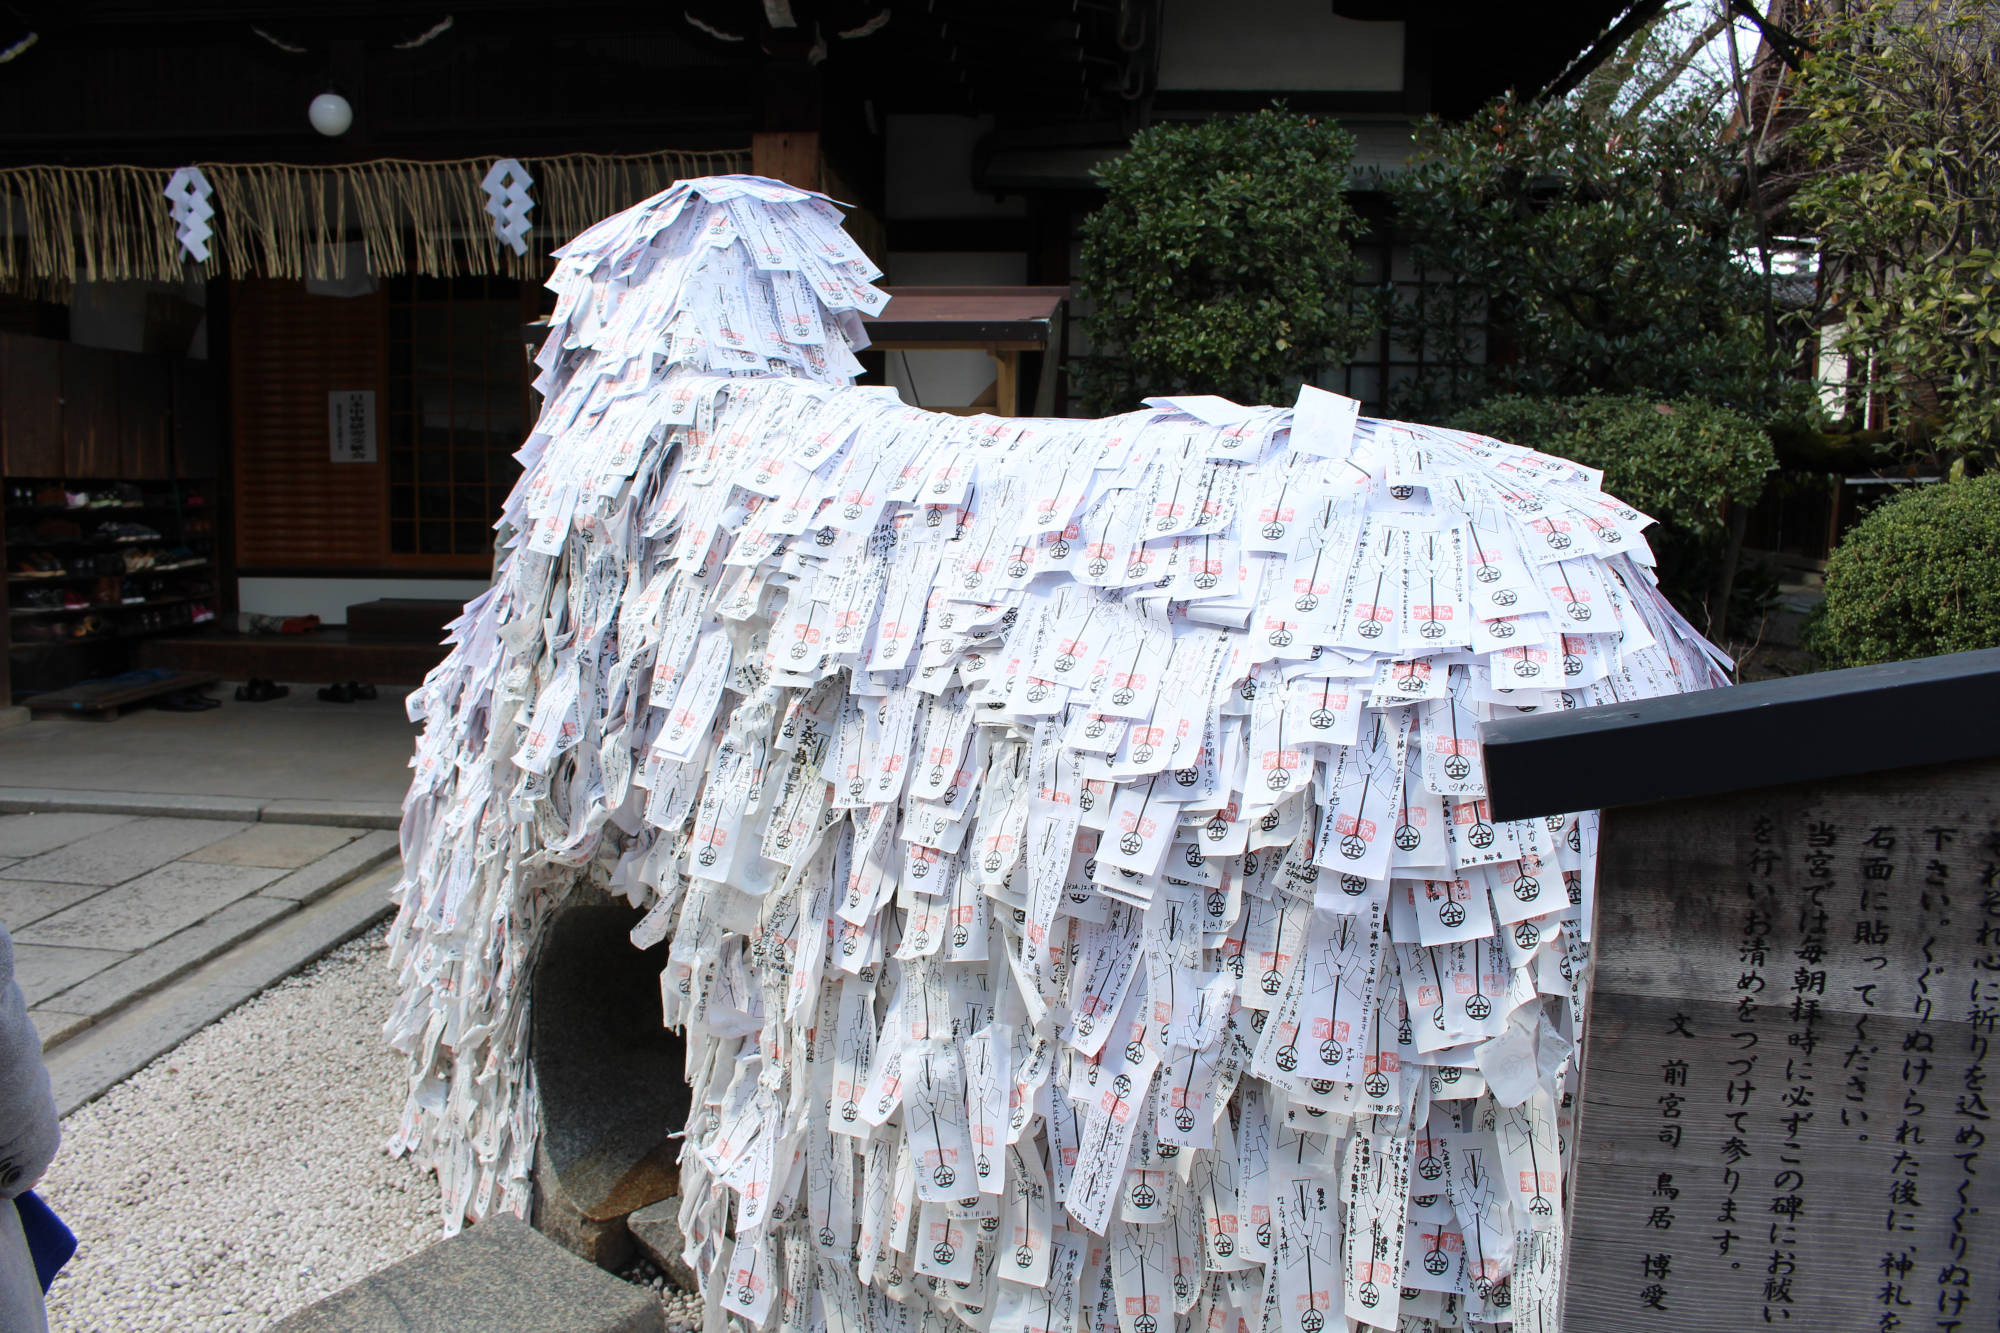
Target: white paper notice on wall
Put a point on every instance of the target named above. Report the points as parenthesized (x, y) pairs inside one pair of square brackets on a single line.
[(350, 425)]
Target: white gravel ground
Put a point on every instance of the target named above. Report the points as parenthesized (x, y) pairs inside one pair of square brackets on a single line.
[(682, 1309), (241, 1175)]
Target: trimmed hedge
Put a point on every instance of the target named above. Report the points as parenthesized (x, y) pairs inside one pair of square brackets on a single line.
[(1918, 577), (1682, 461), (1222, 261)]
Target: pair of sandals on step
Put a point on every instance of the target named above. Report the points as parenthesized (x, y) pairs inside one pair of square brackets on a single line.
[(258, 691)]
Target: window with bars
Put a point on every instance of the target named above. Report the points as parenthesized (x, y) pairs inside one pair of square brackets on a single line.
[(1431, 338), (459, 406)]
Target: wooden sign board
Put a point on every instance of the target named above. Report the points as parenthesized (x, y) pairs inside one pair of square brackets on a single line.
[(1785, 1087)]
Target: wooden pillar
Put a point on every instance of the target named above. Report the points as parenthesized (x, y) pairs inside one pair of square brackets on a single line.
[(791, 156), (1007, 383)]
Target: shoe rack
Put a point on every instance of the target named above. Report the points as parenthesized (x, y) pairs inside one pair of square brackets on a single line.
[(93, 563)]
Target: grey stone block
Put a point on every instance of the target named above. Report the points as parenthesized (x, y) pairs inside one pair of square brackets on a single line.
[(657, 1229), (25, 901), (348, 814), (146, 910), (119, 854), (149, 969), (497, 1275), (44, 971), (336, 868), (129, 802), (33, 834), (283, 846)]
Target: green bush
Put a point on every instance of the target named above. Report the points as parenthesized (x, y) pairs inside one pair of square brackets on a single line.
[(1897, 116), (1601, 257), (1682, 461), (1918, 577), (1221, 261)]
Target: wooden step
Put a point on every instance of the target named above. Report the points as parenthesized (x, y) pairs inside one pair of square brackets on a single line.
[(403, 617), (103, 700), (320, 655)]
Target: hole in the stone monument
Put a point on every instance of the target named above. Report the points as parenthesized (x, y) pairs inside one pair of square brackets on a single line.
[(611, 1078)]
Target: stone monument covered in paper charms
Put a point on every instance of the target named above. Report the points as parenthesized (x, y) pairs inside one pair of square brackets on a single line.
[(1084, 908)]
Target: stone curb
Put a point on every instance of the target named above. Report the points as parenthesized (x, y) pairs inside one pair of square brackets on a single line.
[(104, 995), (311, 882), (104, 1055), (345, 814)]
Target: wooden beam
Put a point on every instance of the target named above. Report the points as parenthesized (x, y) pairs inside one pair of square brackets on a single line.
[(1932, 710)]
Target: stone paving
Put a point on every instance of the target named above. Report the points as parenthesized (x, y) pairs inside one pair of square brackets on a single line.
[(107, 908)]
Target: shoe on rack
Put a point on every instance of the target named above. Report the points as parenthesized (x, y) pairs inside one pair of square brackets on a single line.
[(257, 690), (360, 690), (39, 564), (336, 693)]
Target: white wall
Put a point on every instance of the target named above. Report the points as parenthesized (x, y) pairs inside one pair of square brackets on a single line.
[(1277, 46), (329, 598), (927, 169), (113, 314)]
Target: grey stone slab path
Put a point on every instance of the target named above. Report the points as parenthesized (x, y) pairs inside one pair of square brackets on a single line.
[(98, 1057), (118, 853), (285, 845), (42, 972), (24, 902), (107, 909), (146, 910), (23, 836)]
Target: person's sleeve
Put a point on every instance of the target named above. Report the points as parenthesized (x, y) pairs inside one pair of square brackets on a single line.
[(29, 1130)]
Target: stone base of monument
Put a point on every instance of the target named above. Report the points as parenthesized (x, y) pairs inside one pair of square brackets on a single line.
[(497, 1275), (611, 1079), (657, 1230)]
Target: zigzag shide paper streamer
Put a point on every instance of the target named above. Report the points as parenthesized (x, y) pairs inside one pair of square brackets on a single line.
[(1085, 911)]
